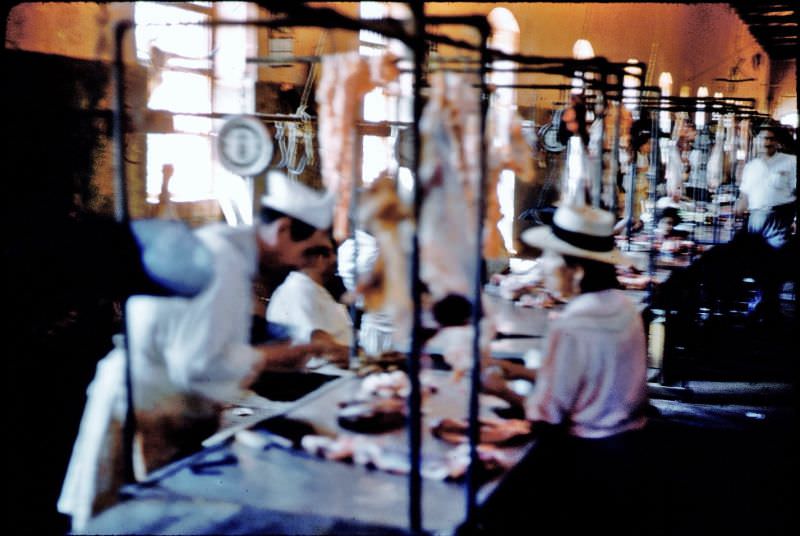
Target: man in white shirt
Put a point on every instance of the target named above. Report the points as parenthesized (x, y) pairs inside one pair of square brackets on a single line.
[(304, 304), (190, 356), (768, 190)]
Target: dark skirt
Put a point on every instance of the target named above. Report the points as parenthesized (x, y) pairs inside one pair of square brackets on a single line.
[(570, 485)]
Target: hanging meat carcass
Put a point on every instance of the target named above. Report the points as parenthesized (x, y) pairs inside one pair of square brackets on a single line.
[(715, 167), (386, 288), (674, 171), (344, 80), (449, 172)]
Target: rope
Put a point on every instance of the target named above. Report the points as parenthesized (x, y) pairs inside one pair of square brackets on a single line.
[(307, 130)]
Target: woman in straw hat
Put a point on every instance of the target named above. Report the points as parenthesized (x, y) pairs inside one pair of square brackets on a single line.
[(593, 376), (590, 394)]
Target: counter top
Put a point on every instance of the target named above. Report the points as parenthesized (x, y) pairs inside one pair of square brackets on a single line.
[(228, 484)]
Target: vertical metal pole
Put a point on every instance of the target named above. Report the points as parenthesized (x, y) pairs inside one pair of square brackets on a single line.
[(414, 398), (120, 182), (614, 164), (355, 179), (630, 197), (477, 306), (704, 138), (122, 215), (597, 185), (734, 175), (652, 175)]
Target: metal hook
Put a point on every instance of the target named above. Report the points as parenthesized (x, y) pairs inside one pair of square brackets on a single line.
[(301, 165), (281, 145)]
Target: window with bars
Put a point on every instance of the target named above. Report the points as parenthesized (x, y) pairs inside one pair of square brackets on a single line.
[(180, 81), (377, 151), (195, 70)]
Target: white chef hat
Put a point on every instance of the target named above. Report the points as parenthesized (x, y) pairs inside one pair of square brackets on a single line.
[(295, 199)]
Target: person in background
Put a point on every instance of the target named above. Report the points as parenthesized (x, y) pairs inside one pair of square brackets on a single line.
[(696, 187), (668, 218), (191, 355), (304, 304), (590, 394), (641, 147), (640, 153), (768, 189)]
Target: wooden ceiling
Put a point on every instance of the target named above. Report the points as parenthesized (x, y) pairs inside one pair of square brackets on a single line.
[(773, 23)]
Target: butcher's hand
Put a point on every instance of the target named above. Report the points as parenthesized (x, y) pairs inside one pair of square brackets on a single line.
[(510, 369), (336, 354), (494, 383)]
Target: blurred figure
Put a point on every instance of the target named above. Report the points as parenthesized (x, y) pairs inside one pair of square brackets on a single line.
[(304, 304), (375, 329), (590, 394), (768, 189), (191, 355)]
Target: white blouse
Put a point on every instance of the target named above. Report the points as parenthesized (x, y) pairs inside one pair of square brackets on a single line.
[(594, 372)]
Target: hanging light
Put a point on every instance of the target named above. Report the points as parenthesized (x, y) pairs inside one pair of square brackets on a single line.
[(631, 81), (700, 116), (685, 91), (715, 116), (665, 83), (581, 50)]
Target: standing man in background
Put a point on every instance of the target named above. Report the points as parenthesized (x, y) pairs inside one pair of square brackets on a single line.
[(768, 189)]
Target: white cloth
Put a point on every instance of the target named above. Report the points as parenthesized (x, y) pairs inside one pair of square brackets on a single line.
[(180, 348), (367, 255), (376, 333), (92, 477), (593, 376), (305, 306), (198, 345), (770, 181)]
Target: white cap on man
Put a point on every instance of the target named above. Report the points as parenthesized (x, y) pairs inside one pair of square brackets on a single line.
[(295, 199)]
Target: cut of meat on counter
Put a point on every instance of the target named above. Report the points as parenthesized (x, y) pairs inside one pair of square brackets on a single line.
[(632, 279), (391, 385), (344, 80), (493, 431), (373, 416), (372, 452)]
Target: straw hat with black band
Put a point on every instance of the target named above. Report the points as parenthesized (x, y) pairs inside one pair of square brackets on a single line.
[(584, 232)]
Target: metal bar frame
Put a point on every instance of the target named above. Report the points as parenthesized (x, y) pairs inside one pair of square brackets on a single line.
[(322, 17)]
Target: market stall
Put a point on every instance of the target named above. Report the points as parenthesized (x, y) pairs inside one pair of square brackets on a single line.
[(303, 462)]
